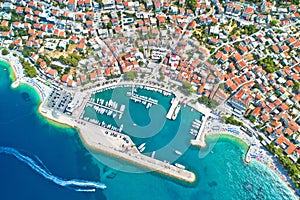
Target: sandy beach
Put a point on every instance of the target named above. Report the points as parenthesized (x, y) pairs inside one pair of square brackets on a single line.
[(256, 152)]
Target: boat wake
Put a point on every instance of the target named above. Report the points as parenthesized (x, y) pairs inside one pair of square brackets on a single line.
[(39, 167)]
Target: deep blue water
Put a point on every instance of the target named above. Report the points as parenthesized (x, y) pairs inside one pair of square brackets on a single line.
[(221, 173), (57, 147)]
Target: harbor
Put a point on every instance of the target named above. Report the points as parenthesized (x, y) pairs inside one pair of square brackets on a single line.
[(102, 111), (145, 181)]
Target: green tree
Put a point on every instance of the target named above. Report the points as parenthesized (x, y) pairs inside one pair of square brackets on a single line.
[(141, 49), (67, 70), (231, 120), (273, 22), (161, 77), (109, 25), (11, 46), (268, 64), (29, 69), (251, 118), (187, 88), (222, 86), (296, 86), (26, 52), (209, 102), (131, 75), (5, 52), (4, 28), (141, 63), (191, 4)]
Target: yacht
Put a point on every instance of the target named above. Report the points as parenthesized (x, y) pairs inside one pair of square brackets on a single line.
[(153, 154), (142, 149), (149, 105), (179, 166), (109, 113), (141, 146), (178, 152), (121, 128), (195, 126), (120, 116)]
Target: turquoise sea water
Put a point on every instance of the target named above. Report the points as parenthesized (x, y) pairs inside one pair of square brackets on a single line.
[(221, 174)]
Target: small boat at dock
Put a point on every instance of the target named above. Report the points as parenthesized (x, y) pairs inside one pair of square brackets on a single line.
[(141, 146), (142, 149), (153, 154), (179, 166)]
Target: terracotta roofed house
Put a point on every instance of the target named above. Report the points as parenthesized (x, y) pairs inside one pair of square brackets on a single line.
[(286, 145)]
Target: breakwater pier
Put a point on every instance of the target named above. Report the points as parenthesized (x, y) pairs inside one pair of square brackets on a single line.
[(122, 147)]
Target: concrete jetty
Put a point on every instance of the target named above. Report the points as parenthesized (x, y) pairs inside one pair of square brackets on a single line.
[(200, 138), (172, 109), (95, 138), (248, 155)]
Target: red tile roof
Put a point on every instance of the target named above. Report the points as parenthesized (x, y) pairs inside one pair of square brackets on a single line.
[(288, 146)]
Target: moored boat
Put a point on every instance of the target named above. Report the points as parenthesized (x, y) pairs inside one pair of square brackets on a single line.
[(178, 152), (141, 146), (179, 166)]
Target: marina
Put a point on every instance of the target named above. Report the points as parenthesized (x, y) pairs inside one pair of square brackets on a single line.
[(108, 107), (101, 107), (147, 101)]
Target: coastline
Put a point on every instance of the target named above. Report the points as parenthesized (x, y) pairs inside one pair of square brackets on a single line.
[(246, 147), (62, 122), (13, 77), (228, 136), (10, 68)]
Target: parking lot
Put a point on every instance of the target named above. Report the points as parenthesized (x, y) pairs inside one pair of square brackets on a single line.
[(59, 100)]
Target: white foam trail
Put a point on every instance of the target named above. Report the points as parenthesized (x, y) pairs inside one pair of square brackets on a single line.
[(86, 190), (74, 184)]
